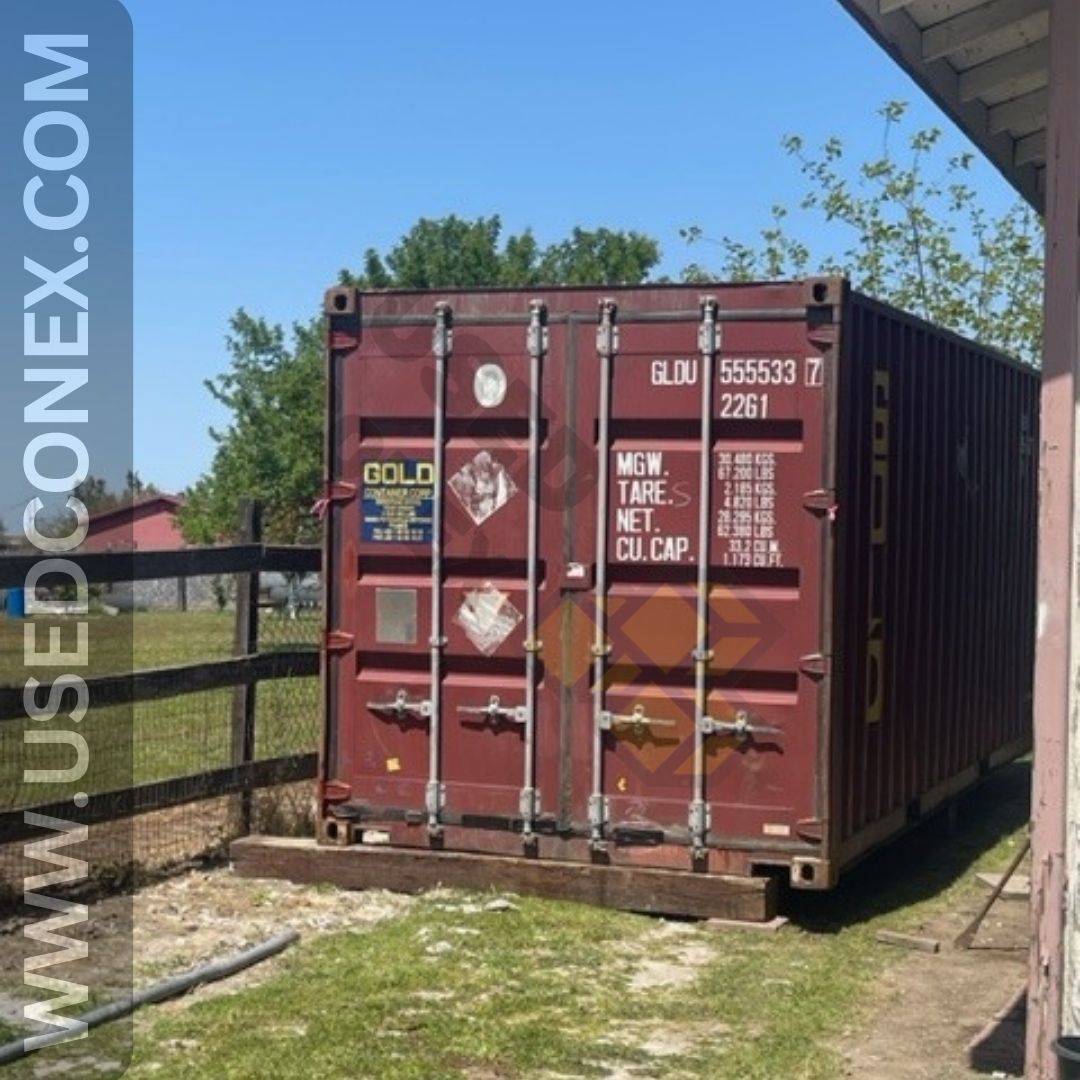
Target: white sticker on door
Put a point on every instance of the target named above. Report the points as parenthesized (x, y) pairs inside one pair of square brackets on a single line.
[(487, 617), (483, 486)]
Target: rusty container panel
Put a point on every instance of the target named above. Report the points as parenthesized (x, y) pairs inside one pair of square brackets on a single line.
[(936, 534), (711, 579)]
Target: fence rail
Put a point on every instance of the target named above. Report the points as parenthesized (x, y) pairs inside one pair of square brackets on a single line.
[(258, 756), (106, 567), (154, 683), (129, 802)]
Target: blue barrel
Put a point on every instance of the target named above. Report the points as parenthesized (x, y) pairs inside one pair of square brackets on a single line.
[(16, 603)]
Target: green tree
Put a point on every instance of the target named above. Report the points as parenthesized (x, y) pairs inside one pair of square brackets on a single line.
[(271, 449), (273, 390), (911, 230), (97, 496), (136, 488), (452, 252)]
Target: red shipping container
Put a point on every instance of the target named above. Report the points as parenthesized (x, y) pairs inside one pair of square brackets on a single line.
[(564, 622)]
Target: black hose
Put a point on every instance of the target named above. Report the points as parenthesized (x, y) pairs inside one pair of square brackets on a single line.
[(161, 991)]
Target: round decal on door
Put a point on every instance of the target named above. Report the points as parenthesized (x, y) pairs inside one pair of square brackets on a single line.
[(489, 385)]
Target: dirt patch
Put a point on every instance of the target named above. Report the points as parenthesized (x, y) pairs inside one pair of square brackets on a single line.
[(669, 956), (207, 913), (668, 1039), (87, 1065), (929, 1007), (190, 919)]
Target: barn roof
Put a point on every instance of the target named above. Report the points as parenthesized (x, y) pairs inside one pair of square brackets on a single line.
[(170, 503)]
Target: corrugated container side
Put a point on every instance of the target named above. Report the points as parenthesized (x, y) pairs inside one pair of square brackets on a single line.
[(935, 568)]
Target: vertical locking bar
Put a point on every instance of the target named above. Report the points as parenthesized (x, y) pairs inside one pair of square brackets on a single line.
[(709, 344), (537, 342), (607, 345), (442, 346)]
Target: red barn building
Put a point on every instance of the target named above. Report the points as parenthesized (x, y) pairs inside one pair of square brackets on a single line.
[(148, 524), (144, 525)]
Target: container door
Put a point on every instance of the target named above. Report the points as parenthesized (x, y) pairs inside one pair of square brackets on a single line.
[(439, 678), (710, 551)]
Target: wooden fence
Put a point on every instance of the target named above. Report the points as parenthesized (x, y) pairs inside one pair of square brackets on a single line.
[(243, 672)]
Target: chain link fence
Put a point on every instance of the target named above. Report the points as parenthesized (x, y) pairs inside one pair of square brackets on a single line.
[(288, 711), (173, 779)]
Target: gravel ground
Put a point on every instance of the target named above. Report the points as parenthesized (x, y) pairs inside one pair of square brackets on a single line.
[(185, 920), (205, 914)]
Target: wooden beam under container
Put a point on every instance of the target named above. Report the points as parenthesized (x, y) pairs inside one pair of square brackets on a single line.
[(655, 892)]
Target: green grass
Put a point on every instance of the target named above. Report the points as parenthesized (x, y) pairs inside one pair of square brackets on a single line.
[(541, 991), (155, 740), (124, 642), (547, 989)]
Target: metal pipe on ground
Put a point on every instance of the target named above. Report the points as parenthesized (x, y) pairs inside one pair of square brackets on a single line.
[(160, 991)]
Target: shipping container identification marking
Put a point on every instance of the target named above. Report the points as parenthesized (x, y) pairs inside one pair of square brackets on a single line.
[(642, 486), (879, 497), (483, 486), (744, 406), (746, 509), (488, 617), (674, 372), (758, 371), (398, 501)]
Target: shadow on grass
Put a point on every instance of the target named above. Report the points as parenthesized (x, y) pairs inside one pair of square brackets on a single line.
[(924, 862)]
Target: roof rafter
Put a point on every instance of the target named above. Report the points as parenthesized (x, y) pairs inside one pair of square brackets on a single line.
[(974, 26), (968, 96), (1025, 63), (1020, 115), (1031, 148)]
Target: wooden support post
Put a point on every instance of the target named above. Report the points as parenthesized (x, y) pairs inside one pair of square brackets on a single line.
[(246, 643), (1054, 996)]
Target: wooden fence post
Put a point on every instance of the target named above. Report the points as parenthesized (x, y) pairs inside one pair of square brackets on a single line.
[(246, 643)]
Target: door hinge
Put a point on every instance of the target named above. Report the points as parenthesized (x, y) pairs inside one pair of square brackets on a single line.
[(335, 791), (816, 665), (338, 641), (821, 501), (340, 491), (335, 492)]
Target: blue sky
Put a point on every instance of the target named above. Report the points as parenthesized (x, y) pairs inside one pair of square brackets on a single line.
[(276, 140)]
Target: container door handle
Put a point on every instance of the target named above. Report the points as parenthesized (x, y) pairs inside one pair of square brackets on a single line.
[(402, 705), (495, 710), (742, 727), (635, 719)]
